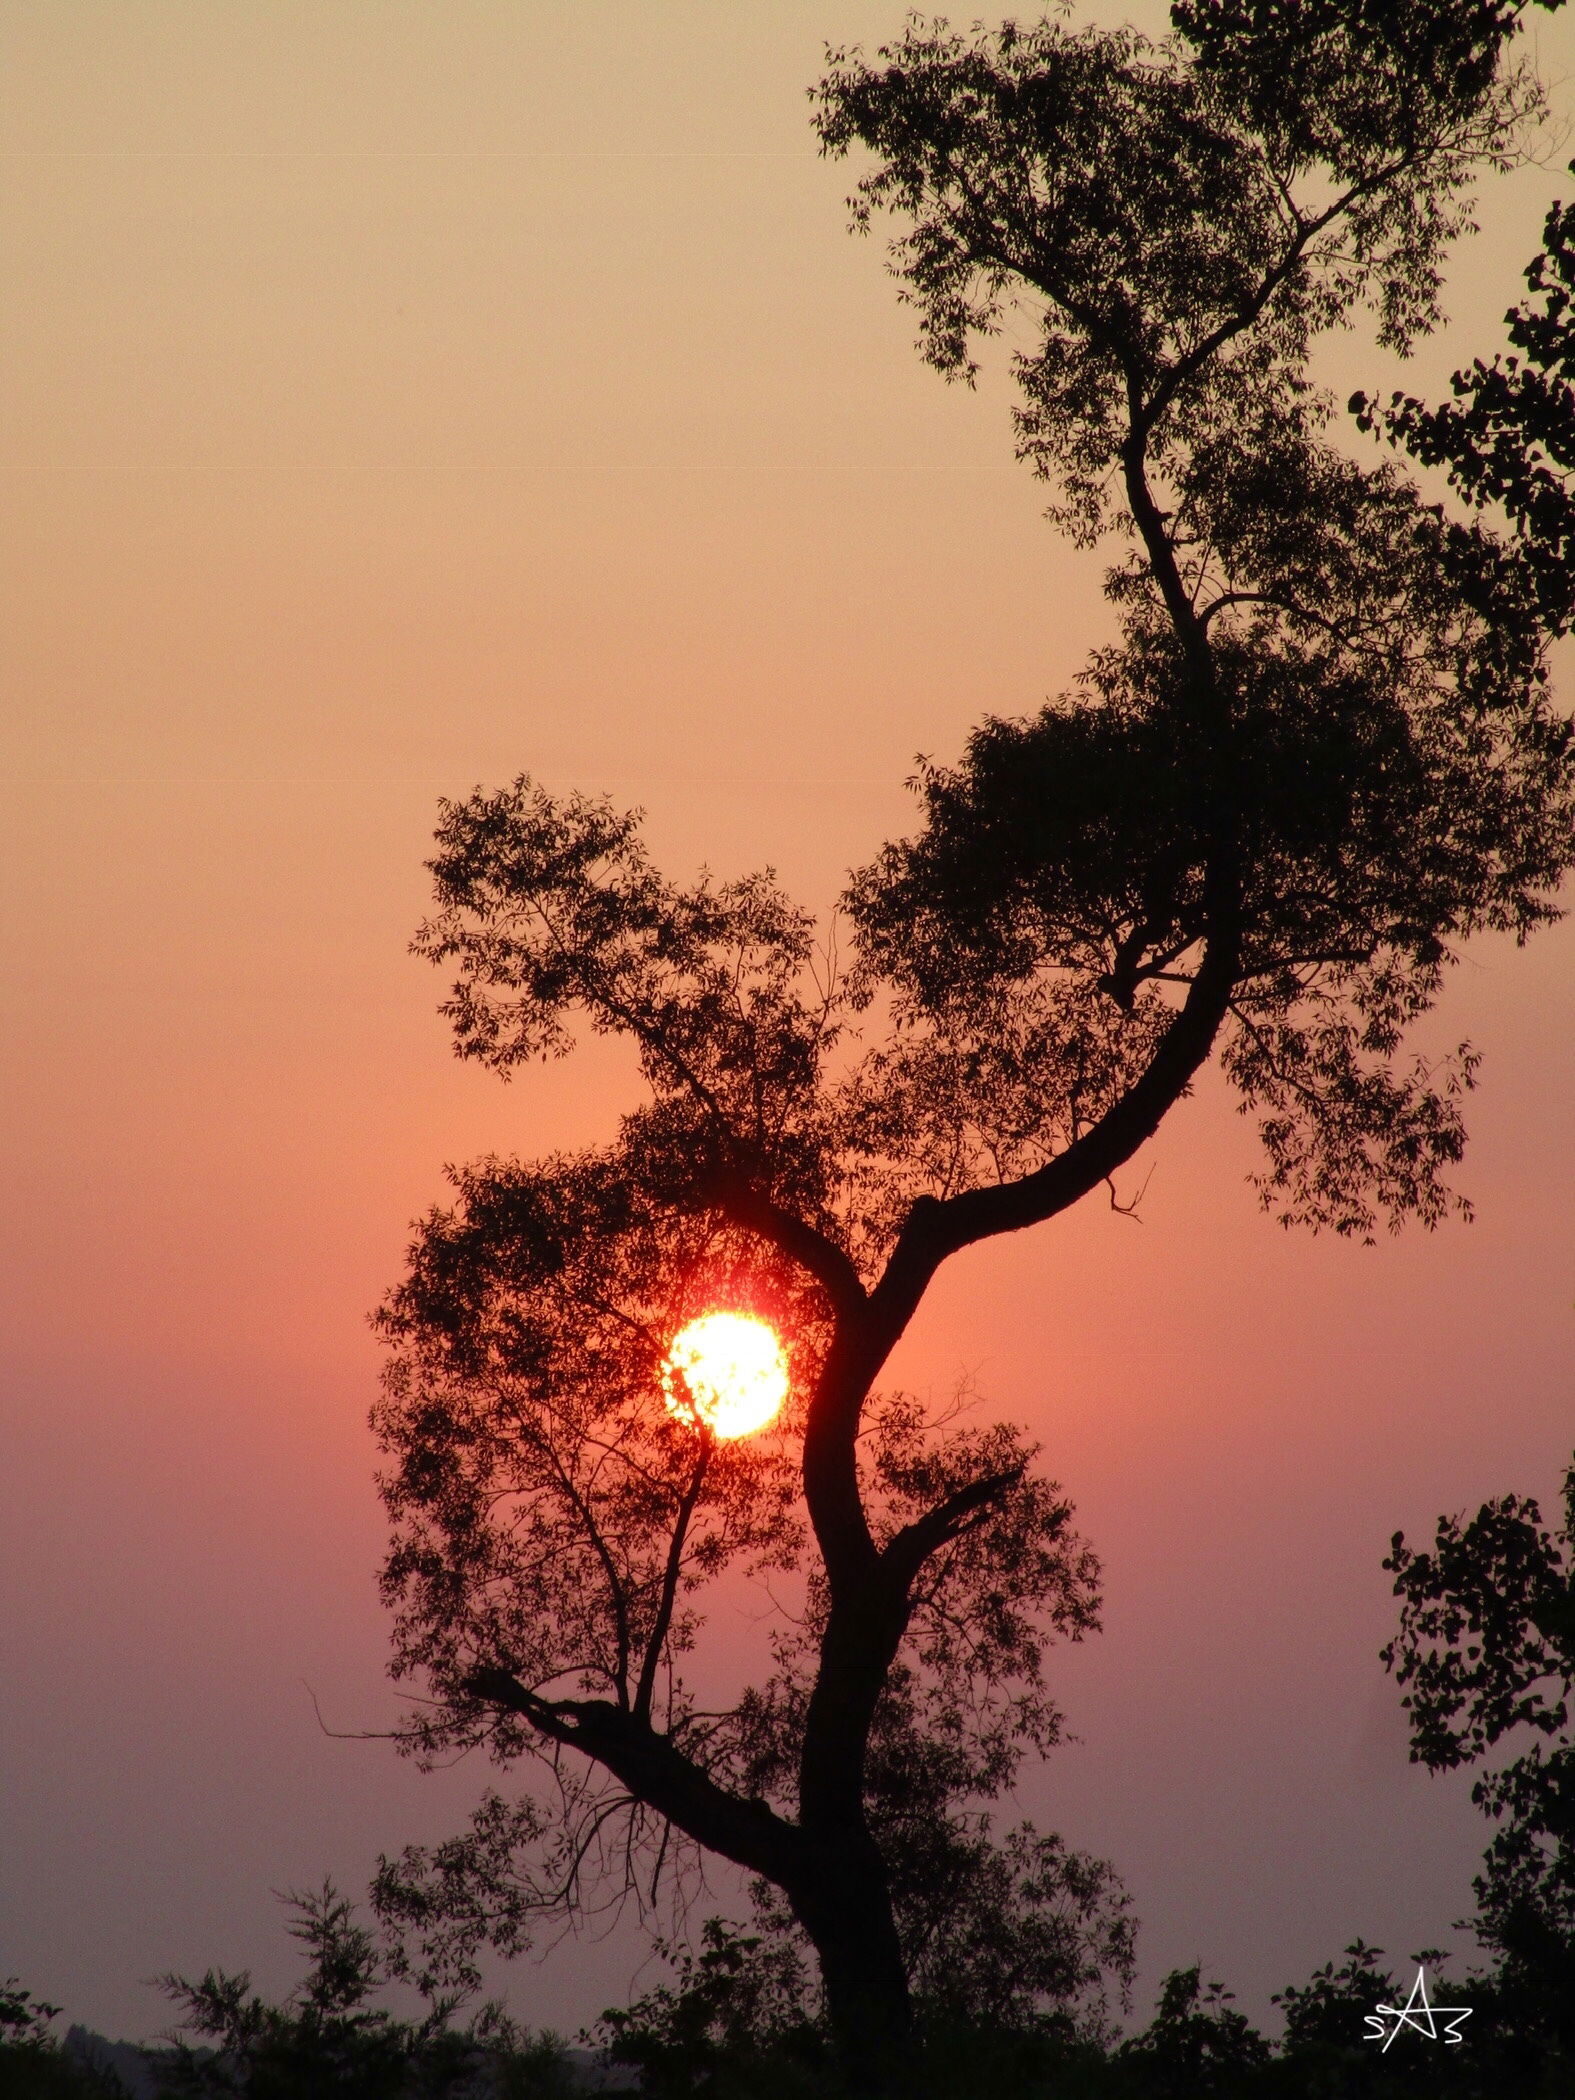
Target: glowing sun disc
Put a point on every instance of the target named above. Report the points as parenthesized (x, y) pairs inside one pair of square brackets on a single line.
[(727, 1370)]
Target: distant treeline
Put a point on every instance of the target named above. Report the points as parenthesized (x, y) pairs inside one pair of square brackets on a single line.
[(718, 2031)]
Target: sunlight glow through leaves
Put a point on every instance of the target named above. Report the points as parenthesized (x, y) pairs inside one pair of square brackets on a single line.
[(727, 1370)]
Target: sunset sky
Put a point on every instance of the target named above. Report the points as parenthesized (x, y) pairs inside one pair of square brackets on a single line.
[(401, 396)]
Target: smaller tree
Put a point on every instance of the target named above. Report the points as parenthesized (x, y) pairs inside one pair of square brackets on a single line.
[(328, 2040), (1486, 1652), (33, 2066), (1507, 435), (1197, 2044), (736, 2023), (1328, 2047), (25, 2021)]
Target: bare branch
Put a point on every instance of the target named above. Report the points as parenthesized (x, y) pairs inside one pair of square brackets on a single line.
[(656, 1772), (675, 1561)]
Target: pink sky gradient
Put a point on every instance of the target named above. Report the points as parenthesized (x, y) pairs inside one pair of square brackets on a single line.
[(399, 397)]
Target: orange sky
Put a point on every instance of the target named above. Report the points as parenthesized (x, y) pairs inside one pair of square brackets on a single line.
[(398, 396)]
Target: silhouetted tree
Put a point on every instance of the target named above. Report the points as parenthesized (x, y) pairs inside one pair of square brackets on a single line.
[(1486, 1651), (1196, 2043), (33, 2065), (330, 2040), (1320, 756), (1508, 435), (25, 2021), (736, 2023)]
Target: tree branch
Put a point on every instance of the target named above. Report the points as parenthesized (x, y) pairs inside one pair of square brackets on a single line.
[(936, 1228), (675, 1561), (658, 1774), (746, 1203), (908, 1549)]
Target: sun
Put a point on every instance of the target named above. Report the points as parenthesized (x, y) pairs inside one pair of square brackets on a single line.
[(727, 1370)]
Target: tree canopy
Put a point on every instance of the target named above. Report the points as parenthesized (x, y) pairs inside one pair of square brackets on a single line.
[(1322, 754)]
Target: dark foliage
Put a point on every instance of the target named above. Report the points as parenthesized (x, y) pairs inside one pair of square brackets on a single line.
[(727, 2030), (329, 2040), (33, 2065), (1508, 436), (737, 2022), (25, 2021), (1486, 1652), (1316, 660)]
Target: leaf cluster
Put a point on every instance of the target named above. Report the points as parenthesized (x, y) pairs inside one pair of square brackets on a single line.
[(33, 2065), (538, 1486), (1182, 221), (1507, 437)]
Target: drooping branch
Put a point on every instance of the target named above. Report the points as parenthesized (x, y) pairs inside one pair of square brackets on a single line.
[(656, 1772)]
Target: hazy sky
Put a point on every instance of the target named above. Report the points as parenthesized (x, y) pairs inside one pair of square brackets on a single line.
[(398, 396)]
